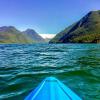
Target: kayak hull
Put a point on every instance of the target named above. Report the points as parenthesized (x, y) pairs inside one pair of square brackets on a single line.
[(52, 89)]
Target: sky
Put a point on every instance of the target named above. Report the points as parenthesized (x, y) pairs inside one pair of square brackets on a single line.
[(44, 16)]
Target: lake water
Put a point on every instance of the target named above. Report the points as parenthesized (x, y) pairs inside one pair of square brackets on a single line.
[(23, 67)]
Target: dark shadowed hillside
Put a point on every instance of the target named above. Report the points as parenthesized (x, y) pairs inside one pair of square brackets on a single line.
[(87, 30)]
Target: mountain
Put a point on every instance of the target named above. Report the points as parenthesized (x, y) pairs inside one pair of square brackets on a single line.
[(47, 39), (34, 35), (9, 34), (86, 30)]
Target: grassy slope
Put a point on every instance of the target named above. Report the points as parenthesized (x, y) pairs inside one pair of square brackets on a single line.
[(12, 35)]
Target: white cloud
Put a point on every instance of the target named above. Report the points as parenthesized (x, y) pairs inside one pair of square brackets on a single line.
[(47, 35)]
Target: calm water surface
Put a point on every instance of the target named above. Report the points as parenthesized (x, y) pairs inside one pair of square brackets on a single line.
[(23, 67)]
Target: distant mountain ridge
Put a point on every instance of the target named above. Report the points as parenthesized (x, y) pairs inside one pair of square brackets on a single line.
[(33, 35), (9, 34), (86, 30)]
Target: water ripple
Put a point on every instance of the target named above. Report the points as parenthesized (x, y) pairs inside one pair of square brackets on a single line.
[(23, 67)]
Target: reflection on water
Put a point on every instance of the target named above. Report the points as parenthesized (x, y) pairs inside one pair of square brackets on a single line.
[(23, 67)]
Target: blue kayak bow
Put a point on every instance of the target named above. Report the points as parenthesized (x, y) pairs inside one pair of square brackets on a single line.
[(52, 89)]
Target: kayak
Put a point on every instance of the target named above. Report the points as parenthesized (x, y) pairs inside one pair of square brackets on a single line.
[(52, 89)]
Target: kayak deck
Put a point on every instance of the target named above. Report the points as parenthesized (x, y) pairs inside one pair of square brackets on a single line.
[(52, 89)]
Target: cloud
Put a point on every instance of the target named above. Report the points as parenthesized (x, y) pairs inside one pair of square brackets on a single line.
[(47, 35)]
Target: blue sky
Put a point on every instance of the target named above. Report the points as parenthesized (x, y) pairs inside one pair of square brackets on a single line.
[(44, 16)]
